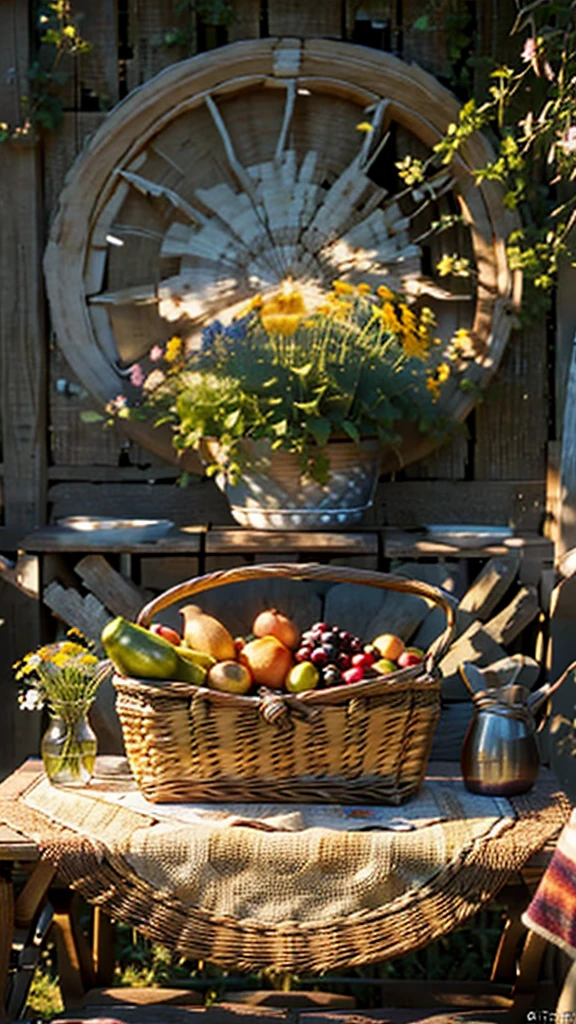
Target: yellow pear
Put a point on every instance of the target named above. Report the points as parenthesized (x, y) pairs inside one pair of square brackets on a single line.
[(206, 634)]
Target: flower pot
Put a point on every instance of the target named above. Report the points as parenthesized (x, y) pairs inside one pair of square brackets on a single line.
[(274, 494)]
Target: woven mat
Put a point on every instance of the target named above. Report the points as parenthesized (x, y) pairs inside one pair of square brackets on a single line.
[(310, 899)]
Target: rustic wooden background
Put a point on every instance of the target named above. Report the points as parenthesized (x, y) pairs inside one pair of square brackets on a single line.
[(501, 470)]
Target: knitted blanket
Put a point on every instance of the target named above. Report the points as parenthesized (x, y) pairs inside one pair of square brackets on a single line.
[(552, 911), (273, 892)]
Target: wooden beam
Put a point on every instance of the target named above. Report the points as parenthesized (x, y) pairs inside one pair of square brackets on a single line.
[(566, 530), (22, 331)]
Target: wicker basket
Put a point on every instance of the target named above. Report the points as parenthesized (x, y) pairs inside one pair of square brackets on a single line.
[(368, 742)]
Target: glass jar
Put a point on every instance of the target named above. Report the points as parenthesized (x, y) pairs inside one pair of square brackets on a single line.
[(69, 745)]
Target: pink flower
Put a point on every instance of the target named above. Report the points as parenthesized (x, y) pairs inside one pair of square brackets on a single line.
[(115, 404), (530, 50), (568, 142), (156, 353), (136, 375)]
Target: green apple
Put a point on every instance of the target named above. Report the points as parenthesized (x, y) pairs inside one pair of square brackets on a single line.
[(303, 676), (385, 666)]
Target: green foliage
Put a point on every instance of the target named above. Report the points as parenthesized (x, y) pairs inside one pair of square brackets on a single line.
[(530, 112), (351, 368), (59, 39)]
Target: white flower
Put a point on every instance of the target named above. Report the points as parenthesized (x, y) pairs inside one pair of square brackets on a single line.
[(30, 700)]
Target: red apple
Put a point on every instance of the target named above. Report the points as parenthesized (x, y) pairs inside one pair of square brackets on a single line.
[(408, 658), (364, 660), (353, 675), (167, 632)]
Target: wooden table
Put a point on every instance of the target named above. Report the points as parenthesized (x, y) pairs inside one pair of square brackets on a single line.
[(26, 915)]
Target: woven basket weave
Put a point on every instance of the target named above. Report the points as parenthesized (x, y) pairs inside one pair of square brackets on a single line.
[(368, 742)]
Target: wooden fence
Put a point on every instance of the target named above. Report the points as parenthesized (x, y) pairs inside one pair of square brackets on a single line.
[(501, 470)]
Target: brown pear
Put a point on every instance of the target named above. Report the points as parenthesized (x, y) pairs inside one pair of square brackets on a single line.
[(205, 633), (269, 661)]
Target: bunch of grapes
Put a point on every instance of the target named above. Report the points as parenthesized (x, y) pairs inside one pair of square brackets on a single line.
[(339, 656)]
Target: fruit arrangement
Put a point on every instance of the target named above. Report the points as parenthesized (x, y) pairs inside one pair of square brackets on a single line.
[(276, 654)]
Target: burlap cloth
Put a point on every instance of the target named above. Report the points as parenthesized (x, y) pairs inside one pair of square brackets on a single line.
[(296, 888)]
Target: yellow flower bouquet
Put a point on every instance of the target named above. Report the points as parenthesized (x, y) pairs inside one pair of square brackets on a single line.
[(64, 677)]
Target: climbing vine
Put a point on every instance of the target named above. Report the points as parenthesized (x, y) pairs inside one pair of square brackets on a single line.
[(530, 111), (59, 39)]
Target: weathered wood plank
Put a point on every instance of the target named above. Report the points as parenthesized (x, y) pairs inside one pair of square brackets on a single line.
[(200, 503), (509, 623), (483, 502), (61, 149), (118, 594), (475, 645), (245, 21), (301, 18), (566, 530), (511, 421), (490, 586), (97, 72), (22, 404), (84, 613), (19, 633)]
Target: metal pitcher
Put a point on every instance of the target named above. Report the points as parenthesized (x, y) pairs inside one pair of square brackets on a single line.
[(500, 751)]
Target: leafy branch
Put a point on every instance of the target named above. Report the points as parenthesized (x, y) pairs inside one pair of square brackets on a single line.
[(59, 39)]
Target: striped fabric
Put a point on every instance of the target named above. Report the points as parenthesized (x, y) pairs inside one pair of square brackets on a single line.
[(552, 911)]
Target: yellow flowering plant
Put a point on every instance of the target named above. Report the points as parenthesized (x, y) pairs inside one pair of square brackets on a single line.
[(352, 366), (64, 676)]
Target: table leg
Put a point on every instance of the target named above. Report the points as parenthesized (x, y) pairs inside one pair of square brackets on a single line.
[(6, 933)]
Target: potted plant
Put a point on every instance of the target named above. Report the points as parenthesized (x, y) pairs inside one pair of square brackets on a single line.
[(291, 401)]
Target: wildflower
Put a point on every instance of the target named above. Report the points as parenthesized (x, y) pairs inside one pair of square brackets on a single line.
[(568, 141), (363, 289), (436, 378), (343, 288), (156, 353), (457, 265), (384, 292), (136, 375), (153, 381), (173, 349), (30, 700), (115, 405), (364, 126), (283, 313), (529, 51)]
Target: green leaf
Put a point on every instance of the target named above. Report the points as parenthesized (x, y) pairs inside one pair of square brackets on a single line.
[(232, 418), (91, 416), (320, 429), (280, 428), (302, 371), (351, 430)]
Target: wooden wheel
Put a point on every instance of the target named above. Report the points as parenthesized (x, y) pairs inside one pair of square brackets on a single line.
[(233, 170)]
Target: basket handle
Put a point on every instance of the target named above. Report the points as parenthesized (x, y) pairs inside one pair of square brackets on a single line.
[(312, 571)]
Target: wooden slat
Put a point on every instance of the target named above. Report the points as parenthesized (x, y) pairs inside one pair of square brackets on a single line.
[(97, 72), (475, 645), (511, 421), (197, 504), (245, 21), (84, 613), (486, 501), (22, 405), (490, 586), (301, 18), (509, 623), (118, 594)]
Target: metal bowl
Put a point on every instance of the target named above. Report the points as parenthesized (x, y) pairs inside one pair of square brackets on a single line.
[(117, 531)]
